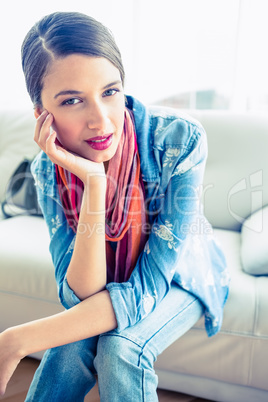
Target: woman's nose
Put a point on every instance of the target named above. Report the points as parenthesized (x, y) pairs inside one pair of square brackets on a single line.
[(97, 118)]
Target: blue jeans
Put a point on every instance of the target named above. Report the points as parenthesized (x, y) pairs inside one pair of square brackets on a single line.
[(122, 361)]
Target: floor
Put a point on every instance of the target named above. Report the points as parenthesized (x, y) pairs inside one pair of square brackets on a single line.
[(18, 385)]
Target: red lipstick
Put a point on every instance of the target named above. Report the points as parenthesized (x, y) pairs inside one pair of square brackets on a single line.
[(100, 142)]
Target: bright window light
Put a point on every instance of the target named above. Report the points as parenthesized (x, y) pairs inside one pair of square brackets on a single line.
[(184, 53)]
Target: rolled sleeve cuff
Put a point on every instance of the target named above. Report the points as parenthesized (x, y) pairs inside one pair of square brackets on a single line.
[(69, 298), (124, 304)]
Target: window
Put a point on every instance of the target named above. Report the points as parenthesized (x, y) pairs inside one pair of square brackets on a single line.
[(207, 54)]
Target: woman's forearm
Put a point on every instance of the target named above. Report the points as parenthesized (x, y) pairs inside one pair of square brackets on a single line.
[(91, 317), (86, 274)]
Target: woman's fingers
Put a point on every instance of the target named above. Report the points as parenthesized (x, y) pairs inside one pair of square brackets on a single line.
[(54, 150), (39, 122), (47, 141), (42, 129)]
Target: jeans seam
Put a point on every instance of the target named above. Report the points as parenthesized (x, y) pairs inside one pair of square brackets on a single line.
[(142, 347), (143, 384), (171, 319), (123, 337), (160, 329)]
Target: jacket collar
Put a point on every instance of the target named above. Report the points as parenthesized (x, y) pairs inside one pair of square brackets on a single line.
[(145, 139)]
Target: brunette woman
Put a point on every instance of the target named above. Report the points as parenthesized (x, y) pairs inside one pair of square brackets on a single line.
[(119, 186)]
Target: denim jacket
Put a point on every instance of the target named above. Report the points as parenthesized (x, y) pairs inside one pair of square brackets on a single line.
[(180, 248)]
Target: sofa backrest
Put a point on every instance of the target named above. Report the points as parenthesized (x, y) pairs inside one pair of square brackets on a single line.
[(236, 176), (16, 142)]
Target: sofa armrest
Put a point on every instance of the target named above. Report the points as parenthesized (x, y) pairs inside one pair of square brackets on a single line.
[(254, 243)]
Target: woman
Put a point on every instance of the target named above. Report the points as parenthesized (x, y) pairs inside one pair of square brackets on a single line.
[(119, 186)]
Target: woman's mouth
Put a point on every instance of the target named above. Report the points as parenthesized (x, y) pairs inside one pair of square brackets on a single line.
[(100, 142)]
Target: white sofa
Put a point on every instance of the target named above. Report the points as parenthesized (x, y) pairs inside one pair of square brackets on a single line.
[(231, 366)]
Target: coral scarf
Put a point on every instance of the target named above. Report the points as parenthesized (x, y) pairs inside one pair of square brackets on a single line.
[(125, 217)]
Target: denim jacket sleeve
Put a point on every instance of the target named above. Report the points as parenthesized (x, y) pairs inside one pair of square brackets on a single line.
[(62, 237), (174, 251)]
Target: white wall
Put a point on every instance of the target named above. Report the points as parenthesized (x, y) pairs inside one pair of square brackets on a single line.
[(17, 17), (168, 46)]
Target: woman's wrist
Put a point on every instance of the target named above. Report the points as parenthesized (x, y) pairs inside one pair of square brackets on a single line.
[(96, 179), (62, 328), (94, 195), (14, 342)]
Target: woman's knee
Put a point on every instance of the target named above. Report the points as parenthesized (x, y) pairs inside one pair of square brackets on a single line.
[(123, 368), (116, 348)]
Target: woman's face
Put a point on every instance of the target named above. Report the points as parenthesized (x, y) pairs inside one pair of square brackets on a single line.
[(85, 96)]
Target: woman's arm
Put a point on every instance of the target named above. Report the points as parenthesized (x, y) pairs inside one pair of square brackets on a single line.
[(91, 317), (86, 273)]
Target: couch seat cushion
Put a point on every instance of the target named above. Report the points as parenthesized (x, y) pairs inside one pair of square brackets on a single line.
[(238, 354), (26, 267)]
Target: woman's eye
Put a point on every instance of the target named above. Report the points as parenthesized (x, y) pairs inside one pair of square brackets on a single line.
[(72, 101), (110, 92)]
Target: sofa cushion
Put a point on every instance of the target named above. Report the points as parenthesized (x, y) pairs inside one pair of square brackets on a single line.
[(26, 266), (245, 290), (238, 354), (28, 288), (254, 243), (16, 143), (237, 166)]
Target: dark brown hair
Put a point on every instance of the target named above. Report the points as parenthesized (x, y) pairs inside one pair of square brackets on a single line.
[(61, 34)]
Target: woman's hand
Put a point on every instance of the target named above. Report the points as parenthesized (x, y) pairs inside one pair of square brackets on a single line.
[(48, 142), (9, 359)]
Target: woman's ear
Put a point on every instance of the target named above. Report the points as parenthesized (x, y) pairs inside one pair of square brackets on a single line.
[(37, 111)]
